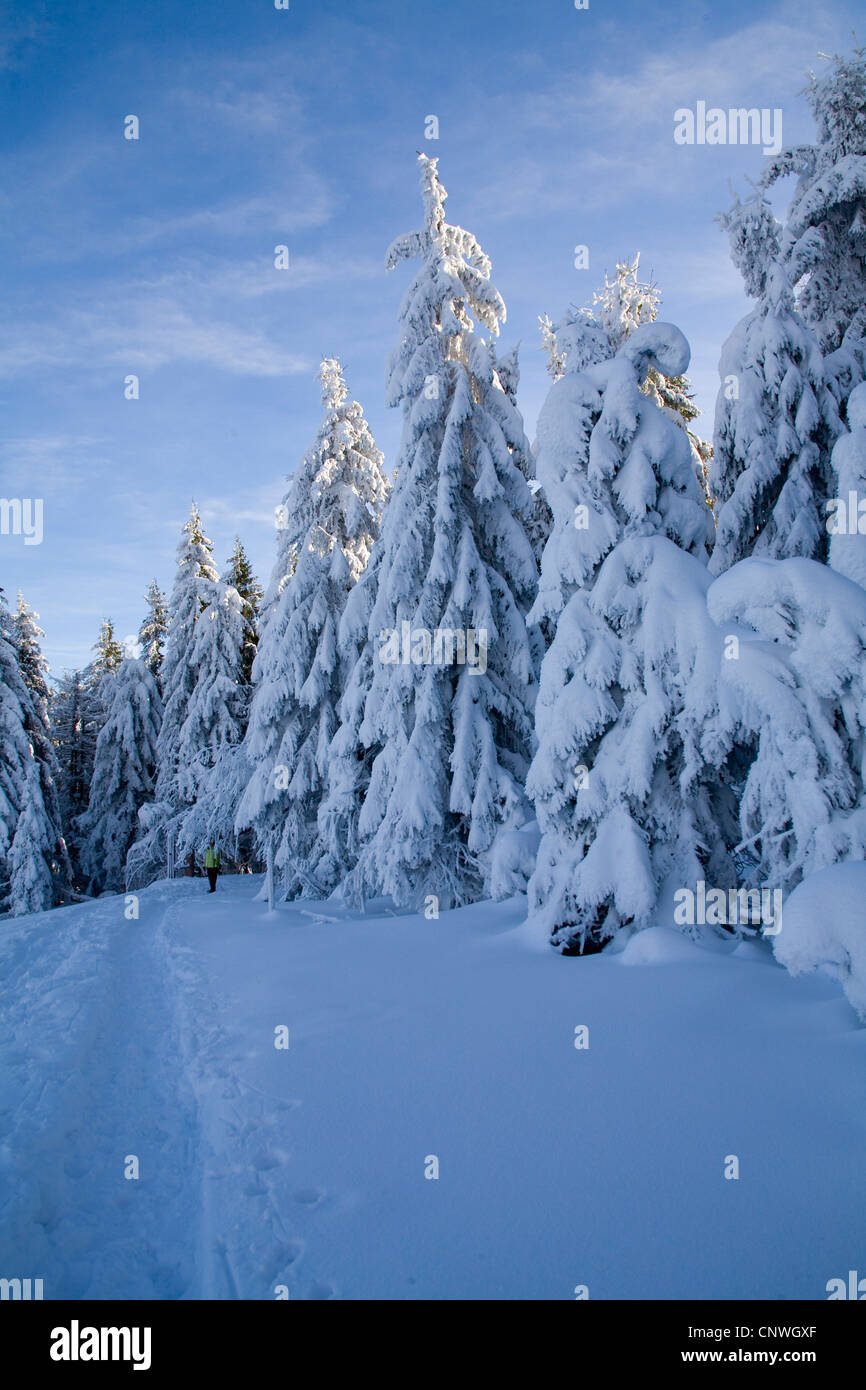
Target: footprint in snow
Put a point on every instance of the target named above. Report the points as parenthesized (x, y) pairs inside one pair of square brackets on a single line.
[(263, 1161), (311, 1196), (322, 1290)]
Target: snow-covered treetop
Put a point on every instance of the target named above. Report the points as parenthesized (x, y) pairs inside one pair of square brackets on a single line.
[(31, 662), (585, 336), (334, 389), (109, 653), (823, 244), (838, 102), (452, 286), (613, 463), (151, 634), (194, 564), (659, 345), (753, 234), (195, 549), (625, 302), (337, 494), (574, 343)]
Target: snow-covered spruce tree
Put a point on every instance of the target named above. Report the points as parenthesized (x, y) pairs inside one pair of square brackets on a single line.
[(776, 420), (588, 517), (595, 333), (823, 244), (153, 630), (624, 303), (123, 776), (331, 515), (216, 715), (75, 718), (239, 575), (621, 306), (31, 662), (109, 653), (846, 512), (584, 337), (795, 699), (445, 678), (75, 761), (224, 770), (193, 589), (31, 876), (34, 669), (29, 862), (625, 799)]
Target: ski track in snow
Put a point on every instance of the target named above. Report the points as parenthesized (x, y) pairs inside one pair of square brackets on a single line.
[(114, 1090), (138, 1063), (261, 1167), (246, 1164)]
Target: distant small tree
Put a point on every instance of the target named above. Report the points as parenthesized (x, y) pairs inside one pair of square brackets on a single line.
[(123, 775), (109, 652), (153, 630), (239, 576)]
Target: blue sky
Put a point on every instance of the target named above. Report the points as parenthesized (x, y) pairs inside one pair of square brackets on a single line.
[(261, 127)]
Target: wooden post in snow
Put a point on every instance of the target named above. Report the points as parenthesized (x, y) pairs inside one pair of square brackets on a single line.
[(270, 876)]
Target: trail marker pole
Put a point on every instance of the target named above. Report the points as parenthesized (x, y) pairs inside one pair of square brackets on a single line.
[(270, 876)]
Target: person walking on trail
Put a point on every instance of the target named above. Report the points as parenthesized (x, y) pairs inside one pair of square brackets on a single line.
[(212, 865)]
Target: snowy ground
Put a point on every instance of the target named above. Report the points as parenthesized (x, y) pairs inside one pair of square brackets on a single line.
[(410, 1038)]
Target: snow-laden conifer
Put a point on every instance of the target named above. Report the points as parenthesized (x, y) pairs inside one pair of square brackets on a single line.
[(30, 858), (239, 575), (216, 711), (331, 517), (123, 775), (193, 589), (776, 420), (160, 823), (793, 702), (624, 798), (34, 672), (154, 629), (823, 242), (585, 337), (442, 692)]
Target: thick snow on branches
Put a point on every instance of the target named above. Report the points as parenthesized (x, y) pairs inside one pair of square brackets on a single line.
[(329, 522), (557, 670), (441, 695)]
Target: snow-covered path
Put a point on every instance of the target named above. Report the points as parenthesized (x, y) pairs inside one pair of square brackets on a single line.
[(304, 1167), (103, 1083)]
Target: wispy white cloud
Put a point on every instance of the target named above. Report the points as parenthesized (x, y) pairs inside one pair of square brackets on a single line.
[(309, 205), (612, 134), (191, 311), (55, 463), (230, 279), (142, 332)]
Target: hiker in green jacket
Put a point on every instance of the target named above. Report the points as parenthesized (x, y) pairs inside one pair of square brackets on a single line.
[(212, 865)]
